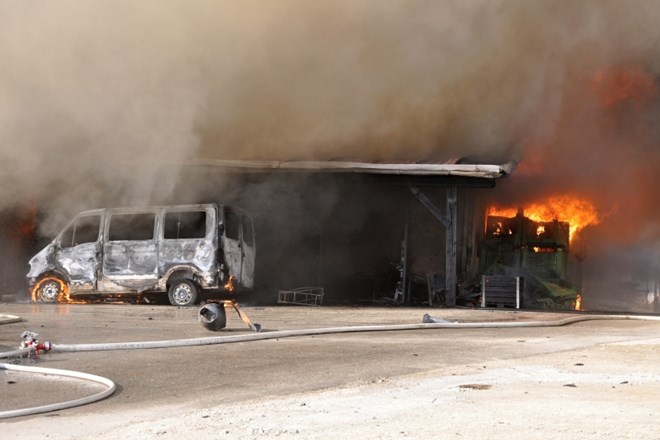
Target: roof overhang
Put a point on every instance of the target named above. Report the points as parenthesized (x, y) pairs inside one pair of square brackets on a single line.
[(480, 171)]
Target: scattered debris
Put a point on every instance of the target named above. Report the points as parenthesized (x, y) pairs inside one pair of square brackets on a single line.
[(428, 319), (476, 386), (213, 316)]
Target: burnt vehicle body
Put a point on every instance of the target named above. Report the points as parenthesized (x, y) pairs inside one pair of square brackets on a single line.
[(179, 250)]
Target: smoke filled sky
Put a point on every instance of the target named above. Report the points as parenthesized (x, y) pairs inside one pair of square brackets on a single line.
[(91, 92)]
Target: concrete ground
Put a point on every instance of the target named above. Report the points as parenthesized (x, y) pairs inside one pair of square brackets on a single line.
[(595, 379)]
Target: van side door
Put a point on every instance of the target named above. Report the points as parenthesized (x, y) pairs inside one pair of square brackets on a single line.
[(231, 242), (130, 257), (189, 240), (79, 251)]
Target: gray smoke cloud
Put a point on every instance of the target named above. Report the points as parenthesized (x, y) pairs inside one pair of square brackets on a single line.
[(100, 101)]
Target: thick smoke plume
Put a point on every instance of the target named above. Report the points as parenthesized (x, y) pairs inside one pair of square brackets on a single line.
[(101, 101)]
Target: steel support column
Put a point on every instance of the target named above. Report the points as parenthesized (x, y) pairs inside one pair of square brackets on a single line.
[(450, 246), (449, 221)]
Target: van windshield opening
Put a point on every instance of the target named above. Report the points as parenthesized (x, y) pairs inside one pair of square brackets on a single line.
[(83, 230)]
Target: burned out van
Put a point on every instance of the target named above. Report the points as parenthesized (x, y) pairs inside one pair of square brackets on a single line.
[(175, 250)]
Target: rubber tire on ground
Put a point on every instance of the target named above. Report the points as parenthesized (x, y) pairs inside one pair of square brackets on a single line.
[(183, 292), (51, 295)]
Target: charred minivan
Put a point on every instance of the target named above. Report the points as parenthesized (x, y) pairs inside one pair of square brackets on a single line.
[(175, 250)]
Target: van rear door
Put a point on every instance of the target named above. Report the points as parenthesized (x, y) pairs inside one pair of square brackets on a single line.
[(231, 242), (247, 243)]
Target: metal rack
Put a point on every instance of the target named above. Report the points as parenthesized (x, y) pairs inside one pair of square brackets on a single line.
[(302, 296)]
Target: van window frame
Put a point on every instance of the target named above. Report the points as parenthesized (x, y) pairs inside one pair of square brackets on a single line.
[(109, 219), (229, 212), (74, 226), (185, 211), (247, 238)]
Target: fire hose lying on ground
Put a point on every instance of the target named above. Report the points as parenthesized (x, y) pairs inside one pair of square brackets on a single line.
[(207, 319)]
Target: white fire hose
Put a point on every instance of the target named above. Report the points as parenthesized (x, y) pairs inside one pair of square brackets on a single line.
[(8, 319), (331, 330), (428, 324), (110, 388)]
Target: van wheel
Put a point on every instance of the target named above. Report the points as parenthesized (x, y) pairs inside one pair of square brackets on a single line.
[(48, 290), (182, 292)]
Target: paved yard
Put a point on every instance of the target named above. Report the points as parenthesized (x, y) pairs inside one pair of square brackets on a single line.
[(585, 380)]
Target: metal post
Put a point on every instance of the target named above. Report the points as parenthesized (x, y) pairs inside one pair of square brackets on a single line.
[(450, 246), (483, 290), (404, 259), (320, 262)]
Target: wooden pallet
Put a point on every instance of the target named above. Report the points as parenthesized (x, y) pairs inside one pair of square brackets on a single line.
[(501, 291)]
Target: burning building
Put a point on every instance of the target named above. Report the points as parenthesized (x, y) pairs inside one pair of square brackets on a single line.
[(108, 105)]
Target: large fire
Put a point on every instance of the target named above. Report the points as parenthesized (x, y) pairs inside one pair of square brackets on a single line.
[(579, 213)]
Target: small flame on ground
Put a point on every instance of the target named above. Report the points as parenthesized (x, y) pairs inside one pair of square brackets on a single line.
[(578, 302), (65, 296)]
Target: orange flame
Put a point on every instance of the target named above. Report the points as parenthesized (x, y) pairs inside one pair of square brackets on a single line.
[(500, 211), (578, 213), (578, 302), (63, 297), (229, 286), (616, 86), (28, 226)]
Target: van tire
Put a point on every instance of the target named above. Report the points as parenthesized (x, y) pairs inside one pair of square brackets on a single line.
[(49, 289), (182, 292)]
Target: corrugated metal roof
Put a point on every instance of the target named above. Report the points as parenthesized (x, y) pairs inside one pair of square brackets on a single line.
[(484, 171)]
